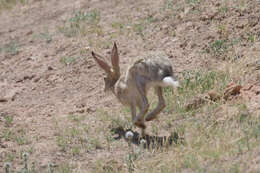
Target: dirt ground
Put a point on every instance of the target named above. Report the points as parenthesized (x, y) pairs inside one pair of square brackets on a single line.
[(48, 77)]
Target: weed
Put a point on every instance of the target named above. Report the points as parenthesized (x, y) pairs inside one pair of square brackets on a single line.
[(235, 169), (168, 4), (10, 157), (92, 17), (7, 4), (96, 144), (7, 167), (139, 29), (251, 38), (68, 60), (109, 140), (219, 47), (191, 161), (21, 140), (223, 9), (8, 120), (7, 134), (84, 52), (117, 121), (62, 143), (155, 129), (11, 48), (150, 19), (74, 132), (24, 2), (76, 118), (46, 35), (65, 168), (25, 169), (51, 167), (192, 3), (75, 150), (82, 23), (192, 84), (119, 26)]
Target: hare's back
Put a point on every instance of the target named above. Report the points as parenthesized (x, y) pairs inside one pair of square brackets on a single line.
[(154, 66)]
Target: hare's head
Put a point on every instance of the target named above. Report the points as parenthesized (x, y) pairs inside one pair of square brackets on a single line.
[(113, 73)]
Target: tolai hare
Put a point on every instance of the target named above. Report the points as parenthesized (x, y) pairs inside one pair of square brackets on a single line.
[(154, 70)]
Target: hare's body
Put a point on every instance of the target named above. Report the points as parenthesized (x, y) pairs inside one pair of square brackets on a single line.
[(153, 70), (148, 71)]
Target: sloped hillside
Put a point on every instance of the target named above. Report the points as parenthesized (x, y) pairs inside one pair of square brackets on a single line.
[(55, 115)]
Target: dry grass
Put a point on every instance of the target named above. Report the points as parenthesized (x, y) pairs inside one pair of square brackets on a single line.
[(219, 136)]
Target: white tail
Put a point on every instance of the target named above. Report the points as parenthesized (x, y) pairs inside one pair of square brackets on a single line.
[(169, 81)]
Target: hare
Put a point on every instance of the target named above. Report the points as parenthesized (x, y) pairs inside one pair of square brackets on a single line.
[(131, 89)]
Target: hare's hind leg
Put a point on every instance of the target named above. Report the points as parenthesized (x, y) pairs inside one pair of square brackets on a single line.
[(161, 104)]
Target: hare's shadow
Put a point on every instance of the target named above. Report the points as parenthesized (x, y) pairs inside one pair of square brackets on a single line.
[(150, 141)]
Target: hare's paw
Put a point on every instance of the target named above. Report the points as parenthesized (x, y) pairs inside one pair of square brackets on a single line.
[(140, 124)]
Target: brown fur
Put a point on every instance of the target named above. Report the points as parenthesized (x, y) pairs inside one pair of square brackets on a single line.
[(131, 88)]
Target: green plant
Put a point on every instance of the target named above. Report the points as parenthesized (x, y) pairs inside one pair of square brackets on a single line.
[(8, 120), (7, 4), (92, 17), (218, 47), (7, 167), (251, 38), (82, 23), (193, 84), (168, 4), (20, 137), (119, 26), (96, 143), (65, 168), (223, 9), (46, 36), (139, 29), (11, 48), (68, 60), (75, 150), (62, 143), (51, 167), (10, 157), (7, 134), (192, 2)]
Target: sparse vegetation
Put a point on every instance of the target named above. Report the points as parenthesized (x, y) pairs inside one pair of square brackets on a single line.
[(66, 124), (8, 120), (46, 35), (9, 4), (219, 47), (68, 60), (82, 23), (11, 48)]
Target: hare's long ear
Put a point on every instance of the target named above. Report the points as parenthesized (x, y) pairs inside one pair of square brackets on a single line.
[(101, 63), (115, 58)]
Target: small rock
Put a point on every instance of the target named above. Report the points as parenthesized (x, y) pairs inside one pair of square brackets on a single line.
[(3, 100), (129, 135), (29, 32), (232, 90), (195, 103), (214, 96), (50, 68)]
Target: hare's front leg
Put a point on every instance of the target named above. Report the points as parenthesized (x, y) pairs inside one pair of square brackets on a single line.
[(143, 105), (138, 123), (161, 104)]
